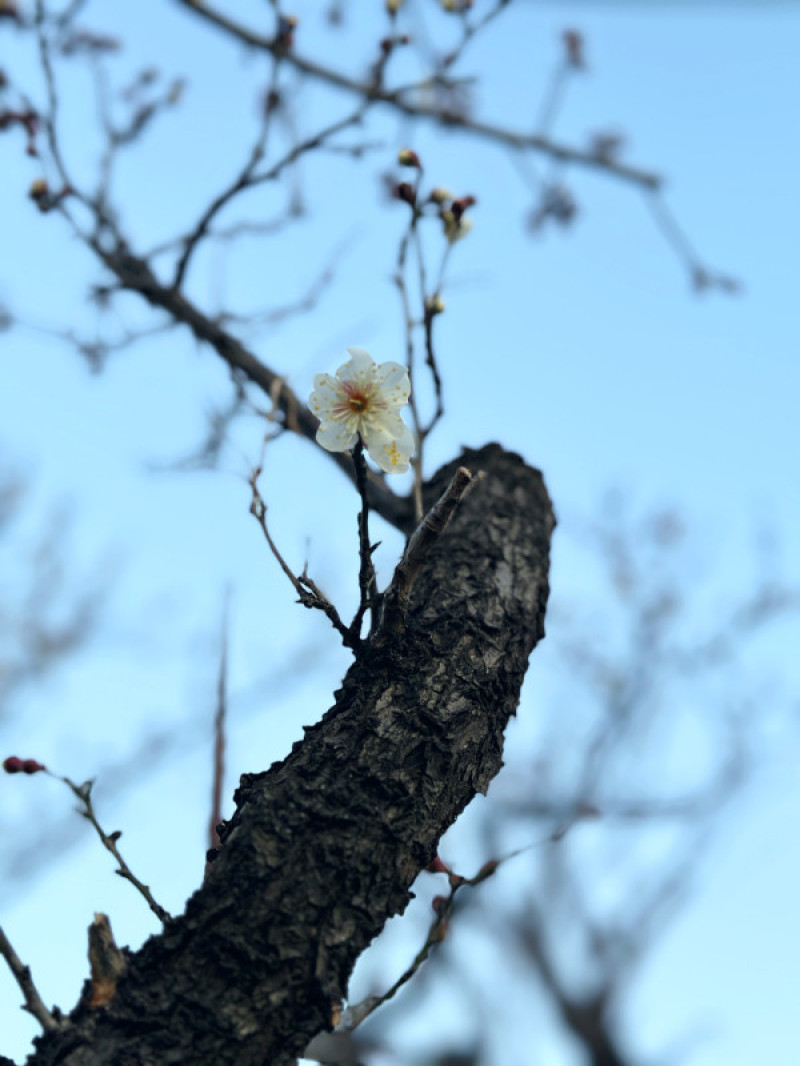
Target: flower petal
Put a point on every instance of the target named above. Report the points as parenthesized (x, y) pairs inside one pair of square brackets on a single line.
[(359, 368), (389, 458), (326, 394), (392, 380), (386, 423), (337, 436), (390, 446)]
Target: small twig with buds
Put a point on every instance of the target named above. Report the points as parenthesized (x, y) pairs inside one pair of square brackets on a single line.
[(22, 975), (83, 793), (308, 592), (443, 909), (404, 101)]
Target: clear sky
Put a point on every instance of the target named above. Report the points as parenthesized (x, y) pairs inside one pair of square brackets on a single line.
[(587, 352)]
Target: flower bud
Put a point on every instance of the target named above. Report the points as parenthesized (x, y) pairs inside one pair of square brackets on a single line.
[(434, 305), (459, 206), (405, 192), (440, 195), (38, 190), (436, 866), (406, 157)]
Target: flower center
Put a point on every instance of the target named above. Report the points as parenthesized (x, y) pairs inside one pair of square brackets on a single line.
[(357, 397)]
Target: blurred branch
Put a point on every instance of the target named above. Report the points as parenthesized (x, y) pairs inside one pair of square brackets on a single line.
[(399, 100), (218, 770)]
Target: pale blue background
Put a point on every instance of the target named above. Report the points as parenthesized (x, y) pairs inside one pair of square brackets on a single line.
[(588, 353)]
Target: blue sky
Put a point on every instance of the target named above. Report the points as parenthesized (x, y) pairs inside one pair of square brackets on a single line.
[(587, 352)]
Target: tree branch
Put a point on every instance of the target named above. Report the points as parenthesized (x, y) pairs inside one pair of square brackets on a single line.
[(136, 275), (22, 975), (323, 847), (399, 100)]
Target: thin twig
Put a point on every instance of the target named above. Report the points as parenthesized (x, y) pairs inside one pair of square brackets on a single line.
[(22, 975), (218, 776), (248, 179), (83, 794), (242, 181), (408, 321), (470, 29), (399, 99), (443, 909), (308, 592), (367, 581), (554, 96), (701, 277)]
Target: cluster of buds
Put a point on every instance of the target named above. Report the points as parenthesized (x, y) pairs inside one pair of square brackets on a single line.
[(451, 209), (455, 7), (15, 765), (29, 121)]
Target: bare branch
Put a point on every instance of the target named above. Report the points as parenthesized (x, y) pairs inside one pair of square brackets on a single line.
[(400, 100), (22, 975), (308, 592), (83, 793)]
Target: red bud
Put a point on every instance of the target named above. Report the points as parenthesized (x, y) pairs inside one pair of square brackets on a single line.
[(436, 866), (14, 765)]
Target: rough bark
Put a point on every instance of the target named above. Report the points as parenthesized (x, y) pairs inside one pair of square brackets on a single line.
[(324, 845)]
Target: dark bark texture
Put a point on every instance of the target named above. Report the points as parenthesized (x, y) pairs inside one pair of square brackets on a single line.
[(324, 845)]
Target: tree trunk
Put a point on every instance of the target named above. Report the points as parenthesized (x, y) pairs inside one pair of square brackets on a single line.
[(323, 846)]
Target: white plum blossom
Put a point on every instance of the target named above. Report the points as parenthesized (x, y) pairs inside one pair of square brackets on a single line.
[(364, 400)]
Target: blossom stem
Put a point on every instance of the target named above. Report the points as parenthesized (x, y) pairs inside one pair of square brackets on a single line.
[(367, 581)]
